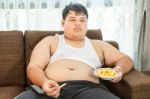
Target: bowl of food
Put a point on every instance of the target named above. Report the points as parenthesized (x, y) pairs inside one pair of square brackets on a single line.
[(105, 73)]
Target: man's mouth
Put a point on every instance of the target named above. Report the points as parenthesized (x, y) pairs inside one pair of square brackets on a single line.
[(77, 29)]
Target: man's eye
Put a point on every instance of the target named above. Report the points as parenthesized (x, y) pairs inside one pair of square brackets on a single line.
[(72, 20), (82, 20)]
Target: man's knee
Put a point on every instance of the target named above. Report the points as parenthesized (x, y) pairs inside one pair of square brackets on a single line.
[(29, 94), (96, 93)]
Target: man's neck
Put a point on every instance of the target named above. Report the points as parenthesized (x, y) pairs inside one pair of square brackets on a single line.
[(78, 43)]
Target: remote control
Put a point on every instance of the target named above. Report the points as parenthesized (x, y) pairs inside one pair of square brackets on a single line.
[(37, 89)]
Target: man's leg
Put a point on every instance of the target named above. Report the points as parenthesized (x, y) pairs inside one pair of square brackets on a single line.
[(96, 93), (30, 94)]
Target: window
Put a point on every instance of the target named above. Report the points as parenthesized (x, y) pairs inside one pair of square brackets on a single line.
[(44, 5), (32, 5)]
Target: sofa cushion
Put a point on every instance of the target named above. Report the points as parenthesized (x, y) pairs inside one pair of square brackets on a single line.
[(9, 92), (12, 63)]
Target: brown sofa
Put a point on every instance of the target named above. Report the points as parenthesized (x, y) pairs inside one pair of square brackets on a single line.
[(15, 51)]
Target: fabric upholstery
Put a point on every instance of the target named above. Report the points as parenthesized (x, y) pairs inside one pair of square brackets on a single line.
[(9, 92), (12, 71), (147, 72)]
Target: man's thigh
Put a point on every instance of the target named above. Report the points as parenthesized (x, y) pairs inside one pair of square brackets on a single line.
[(30, 94), (96, 93)]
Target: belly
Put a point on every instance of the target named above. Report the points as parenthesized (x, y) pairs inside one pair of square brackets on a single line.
[(64, 70)]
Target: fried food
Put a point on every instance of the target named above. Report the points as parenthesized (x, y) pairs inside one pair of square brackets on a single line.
[(106, 72)]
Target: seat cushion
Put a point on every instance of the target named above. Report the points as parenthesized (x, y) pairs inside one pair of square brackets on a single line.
[(9, 92)]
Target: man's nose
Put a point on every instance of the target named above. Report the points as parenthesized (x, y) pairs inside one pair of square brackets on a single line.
[(78, 23)]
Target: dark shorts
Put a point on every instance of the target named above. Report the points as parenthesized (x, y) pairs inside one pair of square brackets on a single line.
[(78, 89)]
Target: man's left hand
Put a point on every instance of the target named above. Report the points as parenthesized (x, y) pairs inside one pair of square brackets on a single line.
[(119, 75)]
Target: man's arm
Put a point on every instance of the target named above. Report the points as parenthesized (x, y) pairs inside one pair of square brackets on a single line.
[(125, 63), (113, 57), (38, 61)]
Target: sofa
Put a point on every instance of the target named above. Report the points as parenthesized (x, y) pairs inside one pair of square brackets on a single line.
[(15, 51)]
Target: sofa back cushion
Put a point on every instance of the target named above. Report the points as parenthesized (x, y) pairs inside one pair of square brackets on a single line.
[(12, 63), (33, 37)]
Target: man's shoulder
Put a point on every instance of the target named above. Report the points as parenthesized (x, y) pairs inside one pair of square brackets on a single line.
[(51, 38), (94, 41), (99, 43)]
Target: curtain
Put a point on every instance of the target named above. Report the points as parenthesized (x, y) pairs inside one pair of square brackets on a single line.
[(139, 22), (119, 20), (144, 46)]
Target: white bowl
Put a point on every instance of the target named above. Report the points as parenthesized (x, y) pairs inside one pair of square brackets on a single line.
[(105, 73)]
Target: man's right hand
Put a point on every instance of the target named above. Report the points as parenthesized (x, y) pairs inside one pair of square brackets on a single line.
[(51, 88)]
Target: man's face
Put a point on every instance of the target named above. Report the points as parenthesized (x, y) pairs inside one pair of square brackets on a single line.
[(75, 25)]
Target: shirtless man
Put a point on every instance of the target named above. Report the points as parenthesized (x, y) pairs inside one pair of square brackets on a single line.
[(71, 58)]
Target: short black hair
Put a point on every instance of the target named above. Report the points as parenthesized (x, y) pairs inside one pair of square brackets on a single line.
[(77, 7)]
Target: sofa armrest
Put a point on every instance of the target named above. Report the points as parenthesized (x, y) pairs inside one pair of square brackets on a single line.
[(135, 85)]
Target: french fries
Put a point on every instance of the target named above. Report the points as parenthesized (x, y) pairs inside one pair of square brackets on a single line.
[(106, 72)]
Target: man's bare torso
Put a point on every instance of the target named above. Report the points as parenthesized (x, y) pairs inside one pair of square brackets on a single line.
[(66, 69)]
